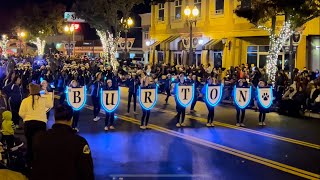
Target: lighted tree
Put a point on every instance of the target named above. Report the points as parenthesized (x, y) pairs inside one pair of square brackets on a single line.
[(105, 16), (41, 21), (3, 44), (263, 14)]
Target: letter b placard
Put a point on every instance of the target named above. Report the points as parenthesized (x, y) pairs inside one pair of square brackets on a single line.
[(76, 97)]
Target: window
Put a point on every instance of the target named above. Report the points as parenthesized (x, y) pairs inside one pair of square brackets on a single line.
[(161, 12), (197, 3), (146, 35), (178, 9), (257, 55), (219, 6)]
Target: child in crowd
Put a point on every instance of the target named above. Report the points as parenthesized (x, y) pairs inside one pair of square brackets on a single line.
[(8, 128)]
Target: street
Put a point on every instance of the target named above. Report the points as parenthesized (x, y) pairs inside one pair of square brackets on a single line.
[(287, 148)]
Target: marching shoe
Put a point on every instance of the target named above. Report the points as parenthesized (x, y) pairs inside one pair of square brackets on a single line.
[(178, 125), (242, 125), (208, 125), (238, 124), (112, 128), (260, 123), (264, 124), (183, 125), (106, 128), (212, 125)]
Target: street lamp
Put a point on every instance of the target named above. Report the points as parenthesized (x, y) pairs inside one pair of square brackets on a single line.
[(127, 23), (191, 19), (21, 35), (69, 29)]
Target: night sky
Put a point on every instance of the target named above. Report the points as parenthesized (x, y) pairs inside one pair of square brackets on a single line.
[(8, 7)]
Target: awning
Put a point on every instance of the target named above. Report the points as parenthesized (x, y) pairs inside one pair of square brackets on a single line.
[(210, 45), (163, 44)]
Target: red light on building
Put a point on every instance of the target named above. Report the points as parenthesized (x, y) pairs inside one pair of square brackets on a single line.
[(76, 26)]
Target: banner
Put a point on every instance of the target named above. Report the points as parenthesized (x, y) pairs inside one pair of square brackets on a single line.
[(242, 96), (148, 97), (185, 94), (213, 94), (265, 97), (76, 97), (110, 99)]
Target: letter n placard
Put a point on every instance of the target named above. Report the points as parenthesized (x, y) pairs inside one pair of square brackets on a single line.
[(148, 97), (242, 96), (76, 97)]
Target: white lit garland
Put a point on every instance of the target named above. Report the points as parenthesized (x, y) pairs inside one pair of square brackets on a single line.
[(276, 44), (40, 45), (103, 38), (109, 47), (3, 44)]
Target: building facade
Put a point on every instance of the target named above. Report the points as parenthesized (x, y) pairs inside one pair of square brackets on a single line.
[(220, 37)]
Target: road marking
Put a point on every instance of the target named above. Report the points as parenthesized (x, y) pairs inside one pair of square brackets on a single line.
[(290, 140), (244, 155), (204, 120)]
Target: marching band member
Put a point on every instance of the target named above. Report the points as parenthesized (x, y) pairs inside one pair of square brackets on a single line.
[(262, 110), (168, 83), (95, 95), (242, 112), (76, 114), (108, 122), (210, 81), (194, 80), (133, 84), (145, 83), (180, 109)]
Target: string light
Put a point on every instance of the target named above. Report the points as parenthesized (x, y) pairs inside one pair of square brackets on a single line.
[(3, 43), (40, 45), (276, 44), (109, 47)]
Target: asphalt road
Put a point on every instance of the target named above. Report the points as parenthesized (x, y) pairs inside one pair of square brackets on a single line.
[(287, 148)]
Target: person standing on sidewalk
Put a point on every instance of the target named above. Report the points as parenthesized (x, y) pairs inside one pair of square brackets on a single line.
[(33, 113), (95, 96)]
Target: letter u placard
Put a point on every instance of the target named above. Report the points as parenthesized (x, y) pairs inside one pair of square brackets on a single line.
[(76, 97), (148, 97), (185, 94), (110, 99), (242, 96), (213, 94)]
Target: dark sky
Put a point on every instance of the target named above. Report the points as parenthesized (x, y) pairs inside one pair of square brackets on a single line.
[(8, 7)]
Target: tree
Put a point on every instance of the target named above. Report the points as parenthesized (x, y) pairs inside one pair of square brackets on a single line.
[(41, 21), (261, 12), (104, 16)]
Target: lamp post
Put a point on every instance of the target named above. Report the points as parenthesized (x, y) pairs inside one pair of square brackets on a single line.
[(191, 19), (148, 44), (69, 30), (20, 36), (127, 23)]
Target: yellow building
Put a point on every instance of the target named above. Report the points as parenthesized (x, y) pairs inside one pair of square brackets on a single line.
[(222, 38)]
